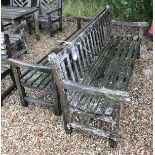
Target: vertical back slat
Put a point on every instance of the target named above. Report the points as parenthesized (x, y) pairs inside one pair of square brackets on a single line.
[(71, 69), (83, 58), (92, 45)]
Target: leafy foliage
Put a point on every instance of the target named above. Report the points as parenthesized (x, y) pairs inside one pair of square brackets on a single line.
[(132, 10)]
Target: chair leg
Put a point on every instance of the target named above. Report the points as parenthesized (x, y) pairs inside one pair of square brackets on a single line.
[(7, 92), (40, 26), (60, 25), (21, 89), (51, 29), (29, 27)]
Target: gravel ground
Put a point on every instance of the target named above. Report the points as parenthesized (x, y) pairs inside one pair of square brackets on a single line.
[(36, 131)]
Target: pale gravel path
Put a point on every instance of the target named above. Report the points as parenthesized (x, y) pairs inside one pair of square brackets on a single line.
[(36, 131)]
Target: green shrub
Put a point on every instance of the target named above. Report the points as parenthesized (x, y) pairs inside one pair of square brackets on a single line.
[(131, 10)]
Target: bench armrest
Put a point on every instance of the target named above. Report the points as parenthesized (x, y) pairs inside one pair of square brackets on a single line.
[(130, 24), (30, 66), (81, 18), (91, 90), (139, 25), (52, 11)]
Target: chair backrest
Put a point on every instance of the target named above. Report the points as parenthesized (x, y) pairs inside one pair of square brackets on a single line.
[(20, 3), (46, 6), (77, 59), (5, 46)]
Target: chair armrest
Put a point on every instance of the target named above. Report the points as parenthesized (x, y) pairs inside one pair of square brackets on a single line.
[(91, 90), (81, 18), (130, 24), (30, 66), (48, 13)]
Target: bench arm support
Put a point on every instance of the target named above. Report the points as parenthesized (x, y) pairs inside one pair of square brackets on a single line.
[(81, 18), (139, 25), (30, 66), (91, 90), (130, 24)]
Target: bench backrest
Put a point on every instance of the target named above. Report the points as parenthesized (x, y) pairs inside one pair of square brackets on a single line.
[(46, 6), (20, 3), (77, 59)]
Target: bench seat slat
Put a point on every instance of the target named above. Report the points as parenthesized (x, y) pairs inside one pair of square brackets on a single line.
[(45, 82), (97, 106), (112, 64), (33, 78), (40, 79), (29, 73)]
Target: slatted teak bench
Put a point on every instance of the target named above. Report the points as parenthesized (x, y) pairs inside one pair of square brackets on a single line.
[(92, 74)]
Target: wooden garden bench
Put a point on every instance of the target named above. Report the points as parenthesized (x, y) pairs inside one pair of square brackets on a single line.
[(92, 74), (38, 77)]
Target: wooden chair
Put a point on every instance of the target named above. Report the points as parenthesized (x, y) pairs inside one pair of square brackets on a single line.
[(50, 14), (5, 69), (17, 39), (16, 3)]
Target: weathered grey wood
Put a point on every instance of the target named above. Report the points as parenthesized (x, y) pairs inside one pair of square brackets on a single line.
[(90, 129), (93, 83), (5, 68), (37, 76), (40, 101), (14, 13), (36, 13), (111, 94), (38, 67), (50, 12), (20, 3), (17, 14), (21, 90)]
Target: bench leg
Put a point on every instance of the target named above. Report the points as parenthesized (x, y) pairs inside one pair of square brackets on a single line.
[(56, 99), (67, 114), (67, 121), (21, 89), (115, 126)]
